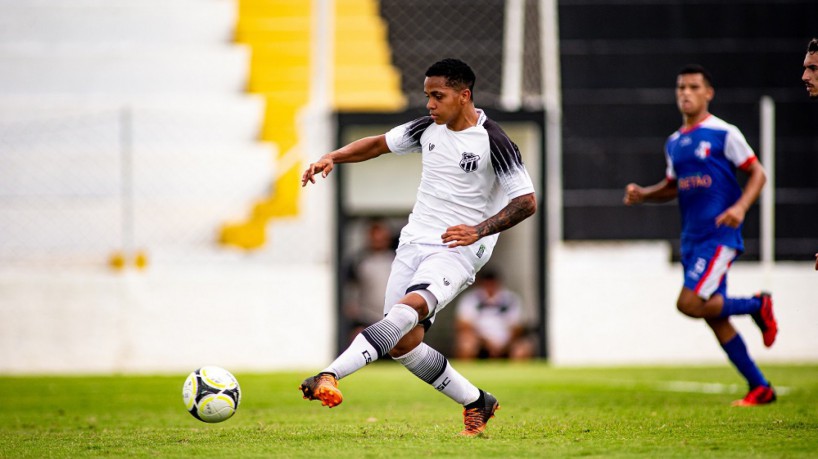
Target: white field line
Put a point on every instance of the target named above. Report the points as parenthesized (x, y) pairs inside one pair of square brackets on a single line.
[(708, 388)]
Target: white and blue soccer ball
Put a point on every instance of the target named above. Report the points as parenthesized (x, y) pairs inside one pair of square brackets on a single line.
[(211, 394)]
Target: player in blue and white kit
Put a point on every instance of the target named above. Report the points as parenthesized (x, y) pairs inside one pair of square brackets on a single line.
[(702, 158), (473, 186)]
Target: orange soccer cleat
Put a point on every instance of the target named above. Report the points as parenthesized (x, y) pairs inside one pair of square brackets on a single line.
[(323, 387), (475, 418)]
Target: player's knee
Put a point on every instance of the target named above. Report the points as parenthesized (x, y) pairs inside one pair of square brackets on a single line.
[(691, 307), (421, 299), (417, 303)]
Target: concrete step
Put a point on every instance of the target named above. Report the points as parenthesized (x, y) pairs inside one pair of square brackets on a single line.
[(111, 70), (70, 120), (77, 203), (195, 172), (117, 21)]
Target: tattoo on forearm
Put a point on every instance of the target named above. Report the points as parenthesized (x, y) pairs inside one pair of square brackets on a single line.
[(516, 211)]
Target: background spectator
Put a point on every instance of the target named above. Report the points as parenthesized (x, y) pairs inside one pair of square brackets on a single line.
[(366, 277), (489, 322)]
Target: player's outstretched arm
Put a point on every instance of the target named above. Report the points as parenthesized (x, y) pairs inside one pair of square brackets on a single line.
[(355, 152), (517, 210), (661, 192)]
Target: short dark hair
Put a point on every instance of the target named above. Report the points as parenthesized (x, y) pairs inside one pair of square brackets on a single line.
[(691, 69), (489, 274), (458, 74), (812, 46)]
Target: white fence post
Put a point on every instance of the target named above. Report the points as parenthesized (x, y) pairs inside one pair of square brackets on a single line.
[(127, 177), (552, 102), (511, 90), (767, 233)]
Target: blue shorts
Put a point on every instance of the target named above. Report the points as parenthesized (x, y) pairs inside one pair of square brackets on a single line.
[(705, 267)]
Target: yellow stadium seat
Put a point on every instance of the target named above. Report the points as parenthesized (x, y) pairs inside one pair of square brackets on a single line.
[(279, 34)]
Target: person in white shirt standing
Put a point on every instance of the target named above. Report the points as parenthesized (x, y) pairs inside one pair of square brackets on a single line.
[(473, 185)]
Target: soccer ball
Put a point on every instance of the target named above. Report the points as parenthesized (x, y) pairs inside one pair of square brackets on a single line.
[(211, 394)]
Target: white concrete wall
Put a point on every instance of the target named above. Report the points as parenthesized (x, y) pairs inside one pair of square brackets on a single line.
[(611, 305), (239, 314), (616, 304)]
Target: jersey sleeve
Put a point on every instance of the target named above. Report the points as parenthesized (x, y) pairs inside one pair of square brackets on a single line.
[(737, 150), (670, 172), (406, 137), (508, 163)]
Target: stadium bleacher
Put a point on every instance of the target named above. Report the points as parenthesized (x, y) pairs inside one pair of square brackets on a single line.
[(124, 124), (283, 36)]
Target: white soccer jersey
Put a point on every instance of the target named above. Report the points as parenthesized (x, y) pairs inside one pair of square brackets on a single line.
[(468, 176)]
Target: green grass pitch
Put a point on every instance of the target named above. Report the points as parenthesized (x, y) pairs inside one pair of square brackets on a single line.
[(545, 412)]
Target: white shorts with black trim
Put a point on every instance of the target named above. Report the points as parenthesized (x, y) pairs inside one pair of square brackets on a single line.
[(443, 271)]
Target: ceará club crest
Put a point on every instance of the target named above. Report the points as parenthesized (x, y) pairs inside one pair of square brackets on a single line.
[(469, 162)]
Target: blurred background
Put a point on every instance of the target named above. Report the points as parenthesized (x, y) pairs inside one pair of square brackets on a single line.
[(151, 214)]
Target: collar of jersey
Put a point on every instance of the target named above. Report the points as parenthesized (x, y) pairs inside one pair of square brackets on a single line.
[(683, 130)]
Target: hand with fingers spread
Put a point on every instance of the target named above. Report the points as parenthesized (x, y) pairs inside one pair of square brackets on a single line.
[(324, 165)]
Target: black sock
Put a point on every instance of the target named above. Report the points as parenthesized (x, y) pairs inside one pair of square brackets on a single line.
[(481, 400)]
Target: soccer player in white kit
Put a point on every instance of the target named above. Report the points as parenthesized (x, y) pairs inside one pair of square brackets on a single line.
[(473, 186)]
